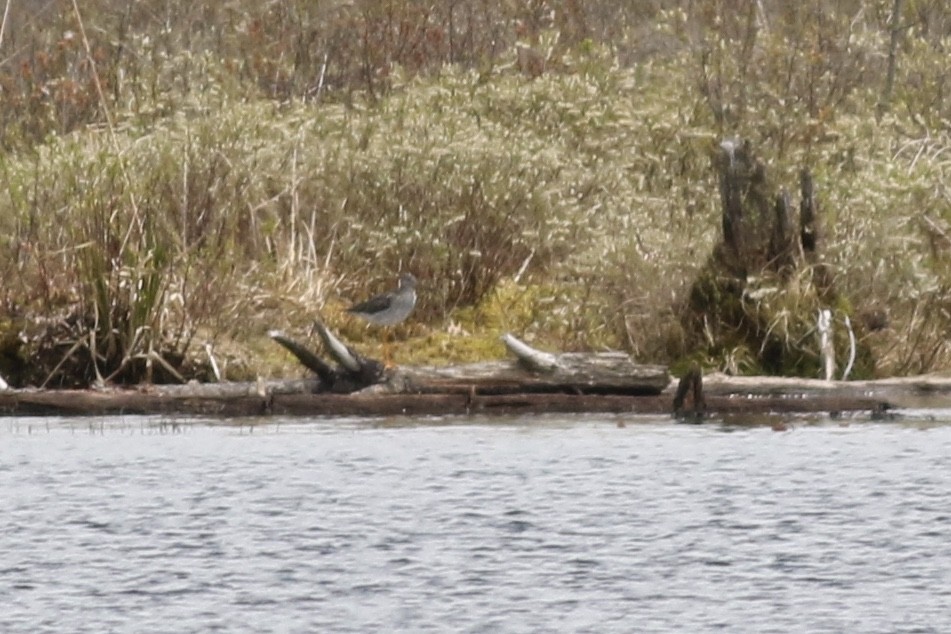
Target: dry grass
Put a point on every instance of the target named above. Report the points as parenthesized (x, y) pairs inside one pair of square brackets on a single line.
[(263, 171)]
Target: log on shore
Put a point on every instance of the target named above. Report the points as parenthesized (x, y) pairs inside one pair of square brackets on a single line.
[(532, 372), (577, 374), (924, 391), (723, 396), (536, 382), (132, 402)]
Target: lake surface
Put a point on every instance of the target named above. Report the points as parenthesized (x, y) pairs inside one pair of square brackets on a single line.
[(544, 524)]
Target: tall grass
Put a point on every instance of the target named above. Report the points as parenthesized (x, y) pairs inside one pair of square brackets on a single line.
[(270, 161)]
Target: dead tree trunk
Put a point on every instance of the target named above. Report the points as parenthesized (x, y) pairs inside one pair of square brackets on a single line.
[(753, 306)]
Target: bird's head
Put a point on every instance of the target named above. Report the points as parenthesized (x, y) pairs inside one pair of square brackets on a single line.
[(407, 280)]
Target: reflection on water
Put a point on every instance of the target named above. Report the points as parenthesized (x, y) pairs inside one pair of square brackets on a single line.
[(608, 524)]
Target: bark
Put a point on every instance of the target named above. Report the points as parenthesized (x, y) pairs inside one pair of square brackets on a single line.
[(721, 396), (752, 305)]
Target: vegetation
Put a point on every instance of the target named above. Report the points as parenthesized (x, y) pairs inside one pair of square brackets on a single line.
[(177, 178)]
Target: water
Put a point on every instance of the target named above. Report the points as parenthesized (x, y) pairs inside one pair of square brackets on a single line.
[(597, 524)]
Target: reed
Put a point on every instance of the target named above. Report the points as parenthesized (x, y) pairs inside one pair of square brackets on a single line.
[(545, 170)]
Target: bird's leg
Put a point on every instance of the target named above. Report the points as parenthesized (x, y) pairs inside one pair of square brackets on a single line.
[(387, 362)]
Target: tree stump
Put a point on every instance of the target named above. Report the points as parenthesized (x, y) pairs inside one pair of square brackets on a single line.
[(753, 307)]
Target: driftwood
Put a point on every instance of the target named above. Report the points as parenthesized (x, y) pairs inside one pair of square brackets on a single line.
[(533, 372), (353, 371), (536, 382), (721, 395), (351, 384)]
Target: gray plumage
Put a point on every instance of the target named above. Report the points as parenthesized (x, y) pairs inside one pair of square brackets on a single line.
[(389, 308)]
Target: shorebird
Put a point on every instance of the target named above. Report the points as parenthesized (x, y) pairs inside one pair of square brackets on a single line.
[(388, 309)]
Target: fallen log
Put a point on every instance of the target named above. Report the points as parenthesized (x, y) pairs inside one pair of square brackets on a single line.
[(534, 372), (247, 402), (925, 391), (536, 382), (722, 396), (351, 384)]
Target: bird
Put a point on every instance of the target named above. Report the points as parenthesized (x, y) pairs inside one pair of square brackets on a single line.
[(388, 309)]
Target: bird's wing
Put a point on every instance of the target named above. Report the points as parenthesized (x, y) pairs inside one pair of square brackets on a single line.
[(373, 305)]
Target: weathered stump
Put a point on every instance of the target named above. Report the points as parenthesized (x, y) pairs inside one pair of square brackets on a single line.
[(689, 401), (753, 307)]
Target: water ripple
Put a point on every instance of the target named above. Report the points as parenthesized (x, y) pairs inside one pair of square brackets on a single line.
[(130, 525)]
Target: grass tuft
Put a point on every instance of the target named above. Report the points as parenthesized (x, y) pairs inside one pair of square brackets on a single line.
[(542, 170)]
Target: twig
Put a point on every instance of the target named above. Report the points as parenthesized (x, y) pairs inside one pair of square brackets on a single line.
[(92, 346), (885, 101), (62, 361), (109, 124), (826, 349), (3, 25), (848, 366), (320, 82), (155, 356), (521, 269), (214, 363)]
